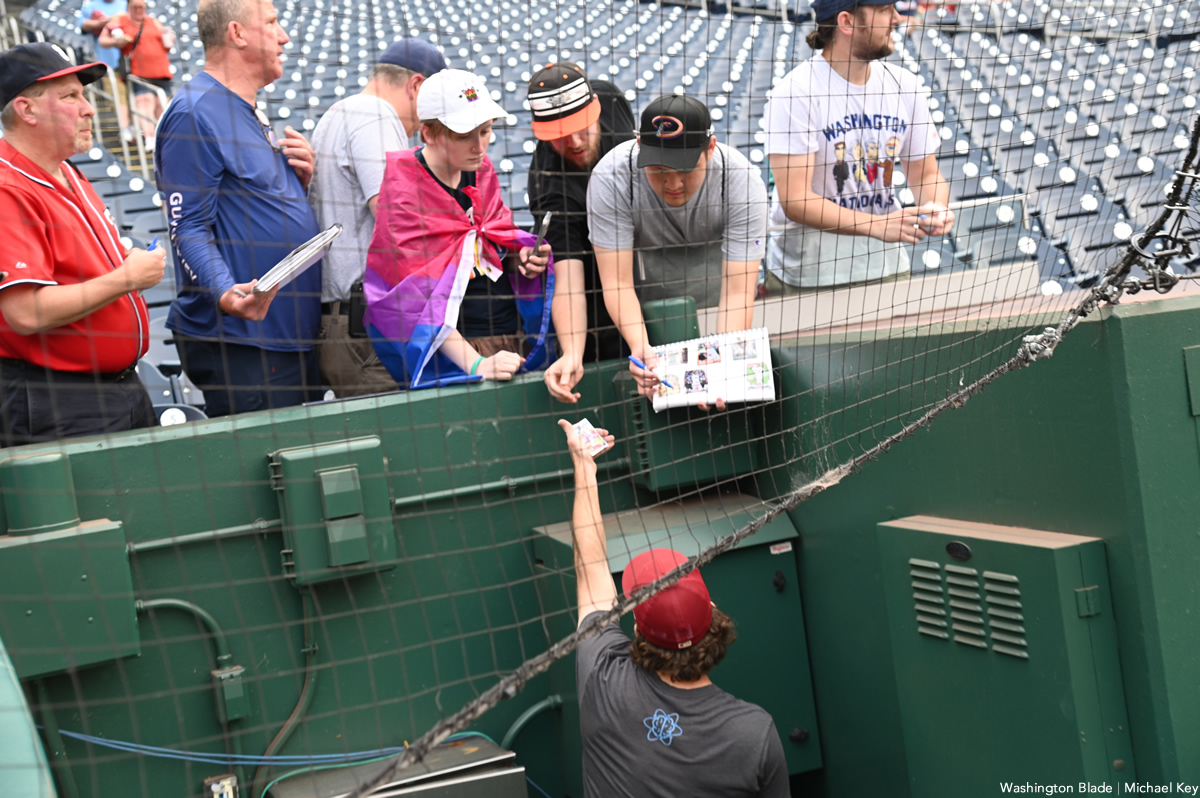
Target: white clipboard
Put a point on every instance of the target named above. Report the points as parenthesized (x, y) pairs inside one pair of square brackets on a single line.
[(298, 260)]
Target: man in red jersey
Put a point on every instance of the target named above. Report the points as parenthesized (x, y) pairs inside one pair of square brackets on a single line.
[(73, 323)]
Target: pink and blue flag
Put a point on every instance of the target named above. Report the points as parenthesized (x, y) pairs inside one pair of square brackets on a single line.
[(422, 256)]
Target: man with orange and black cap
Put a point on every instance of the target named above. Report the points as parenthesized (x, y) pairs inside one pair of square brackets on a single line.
[(577, 122), (73, 320), (653, 723), (691, 213)]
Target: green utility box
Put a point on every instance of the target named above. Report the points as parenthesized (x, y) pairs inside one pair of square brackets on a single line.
[(1003, 641), (336, 510), (756, 584), (66, 599)]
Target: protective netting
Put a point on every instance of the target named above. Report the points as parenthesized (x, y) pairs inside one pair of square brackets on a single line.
[(353, 581)]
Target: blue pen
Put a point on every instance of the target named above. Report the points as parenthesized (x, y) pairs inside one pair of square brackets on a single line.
[(154, 244), (644, 367)]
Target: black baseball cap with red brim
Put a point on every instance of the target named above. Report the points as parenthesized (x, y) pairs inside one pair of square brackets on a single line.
[(26, 64)]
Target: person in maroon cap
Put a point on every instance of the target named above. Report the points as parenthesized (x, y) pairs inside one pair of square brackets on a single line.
[(653, 723), (73, 321)]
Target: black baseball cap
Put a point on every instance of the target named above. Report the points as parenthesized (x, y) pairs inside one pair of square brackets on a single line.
[(562, 101), (26, 64), (416, 55), (675, 131)]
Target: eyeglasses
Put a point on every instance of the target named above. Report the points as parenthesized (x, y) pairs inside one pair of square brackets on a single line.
[(268, 131)]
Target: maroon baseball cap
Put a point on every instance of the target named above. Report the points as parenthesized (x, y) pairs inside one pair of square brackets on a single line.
[(677, 617), (26, 64)]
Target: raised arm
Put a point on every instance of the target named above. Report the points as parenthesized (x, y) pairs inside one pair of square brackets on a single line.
[(595, 588)]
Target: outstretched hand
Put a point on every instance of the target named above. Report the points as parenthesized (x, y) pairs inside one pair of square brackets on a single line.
[(579, 455)]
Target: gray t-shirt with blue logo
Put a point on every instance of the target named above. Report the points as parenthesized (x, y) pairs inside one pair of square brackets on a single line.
[(643, 738)]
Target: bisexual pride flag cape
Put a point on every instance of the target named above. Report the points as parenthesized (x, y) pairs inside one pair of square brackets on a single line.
[(421, 258)]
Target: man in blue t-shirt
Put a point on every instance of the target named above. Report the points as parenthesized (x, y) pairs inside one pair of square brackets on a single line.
[(237, 206), (93, 16), (653, 723)]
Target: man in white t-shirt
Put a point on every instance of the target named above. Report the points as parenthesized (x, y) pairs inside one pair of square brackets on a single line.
[(351, 143), (836, 126)]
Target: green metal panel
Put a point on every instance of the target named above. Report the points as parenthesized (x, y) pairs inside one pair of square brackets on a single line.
[(336, 509), (39, 493), (669, 321), (66, 599), (685, 448), (1100, 441), (991, 653)]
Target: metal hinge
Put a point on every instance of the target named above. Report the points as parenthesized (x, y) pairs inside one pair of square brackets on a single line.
[(1087, 601)]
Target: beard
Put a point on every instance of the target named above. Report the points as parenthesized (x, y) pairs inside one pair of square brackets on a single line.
[(864, 51), (83, 141), (588, 158)]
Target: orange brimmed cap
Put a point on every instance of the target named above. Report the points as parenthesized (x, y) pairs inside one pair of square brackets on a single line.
[(562, 101)]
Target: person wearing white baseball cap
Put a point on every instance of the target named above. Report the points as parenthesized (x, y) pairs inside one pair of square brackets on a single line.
[(459, 100), (440, 216)]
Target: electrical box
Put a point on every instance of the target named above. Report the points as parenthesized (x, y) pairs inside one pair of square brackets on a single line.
[(232, 703), (66, 599), (1003, 640), (756, 584), (336, 510)]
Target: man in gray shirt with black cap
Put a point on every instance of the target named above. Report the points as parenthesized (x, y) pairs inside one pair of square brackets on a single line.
[(674, 213), (351, 142)]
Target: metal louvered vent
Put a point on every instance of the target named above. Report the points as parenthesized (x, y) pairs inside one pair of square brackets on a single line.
[(1005, 614), (929, 597), (966, 611), (951, 603)]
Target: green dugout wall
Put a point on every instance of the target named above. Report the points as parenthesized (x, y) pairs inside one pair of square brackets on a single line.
[(197, 585)]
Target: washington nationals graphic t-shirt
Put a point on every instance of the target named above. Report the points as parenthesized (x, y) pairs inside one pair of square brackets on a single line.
[(642, 737), (858, 136)]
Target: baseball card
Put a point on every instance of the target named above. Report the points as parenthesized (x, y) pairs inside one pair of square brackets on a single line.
[(592, 442)]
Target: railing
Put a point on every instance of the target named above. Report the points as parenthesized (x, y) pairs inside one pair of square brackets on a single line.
[(135, 115)]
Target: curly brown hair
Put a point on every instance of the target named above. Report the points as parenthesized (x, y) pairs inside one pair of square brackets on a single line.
[(686, 664)]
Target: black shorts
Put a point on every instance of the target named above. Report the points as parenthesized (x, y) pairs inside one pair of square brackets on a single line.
[(162, 83)]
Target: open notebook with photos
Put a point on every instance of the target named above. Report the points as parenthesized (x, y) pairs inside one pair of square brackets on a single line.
[(734, 366)]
